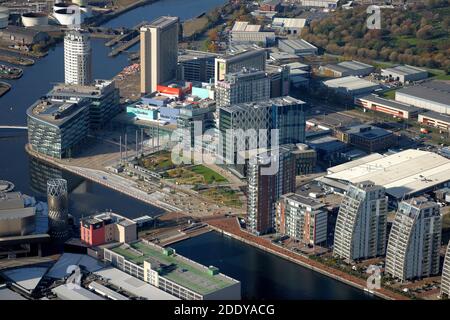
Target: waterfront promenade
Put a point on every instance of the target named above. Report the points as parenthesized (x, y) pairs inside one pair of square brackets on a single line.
[(230, 227), (163, 194)]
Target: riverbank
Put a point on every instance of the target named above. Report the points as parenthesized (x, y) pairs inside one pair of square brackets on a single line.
[(4, 88), (230, 227), (16, 60), (101, 19), (108, 180)]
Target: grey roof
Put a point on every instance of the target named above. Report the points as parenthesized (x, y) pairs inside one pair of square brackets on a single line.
[(304, 200), (436, 116), (436, 91), (65, 293), (101, 289), (368, 131), (281, 101), (46, 110), (351, 83), (26, 278), (404, 70), (354, 65), (348, 66), (243, 55), (59, 270), (7, 294), (391, 103), (298, 44), (163, 22)]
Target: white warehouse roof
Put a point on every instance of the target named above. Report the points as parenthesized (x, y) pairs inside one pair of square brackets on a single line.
[(404, 173), (133, 285), (350, 83)]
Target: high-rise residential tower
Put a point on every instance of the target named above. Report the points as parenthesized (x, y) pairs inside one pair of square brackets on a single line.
[(159, 52), (445, 280), (415, 240), (270, 175), (361, 223), (77, 58)]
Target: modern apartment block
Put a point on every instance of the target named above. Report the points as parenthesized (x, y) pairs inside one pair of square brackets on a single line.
[(57, 128), (107, 227), (171, 272), (250, 59), (415, 240), (77, 58), (302, 218), (445, 279), (270, 175), (361, 223), (243, 86), (240, 125), (159, 52)]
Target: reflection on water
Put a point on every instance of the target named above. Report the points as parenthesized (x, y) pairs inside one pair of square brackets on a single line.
[(263, 275), (30, 176)]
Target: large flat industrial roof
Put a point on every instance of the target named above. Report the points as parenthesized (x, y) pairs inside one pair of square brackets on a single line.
[(436, 116), (245, 26), (348, 66), (390, 103), (350, 83), (182, 271), (133, 285), (65, 293), (289, 22), (404, 70), (298, 44), (436, 91), (404, 173)]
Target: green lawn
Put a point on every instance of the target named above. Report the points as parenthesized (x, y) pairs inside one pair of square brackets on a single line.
[(443, 77), (209, 175), (390, 94)]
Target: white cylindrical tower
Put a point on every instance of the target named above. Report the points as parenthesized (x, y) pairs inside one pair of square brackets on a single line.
[(77, 58)]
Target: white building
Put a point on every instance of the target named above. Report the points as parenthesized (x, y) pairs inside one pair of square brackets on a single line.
[(404, 73), (361, 223), (298, 47), (77, 58), (406, 173), (289, 25), (445, 280), (351, 86), (431, 95), (159, 52), (415, 240)]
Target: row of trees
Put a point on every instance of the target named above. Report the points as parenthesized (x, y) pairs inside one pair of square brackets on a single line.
[(418, 35)]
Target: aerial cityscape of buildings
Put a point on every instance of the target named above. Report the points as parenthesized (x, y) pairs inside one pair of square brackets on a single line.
[(242, 128)]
